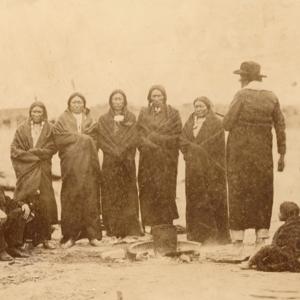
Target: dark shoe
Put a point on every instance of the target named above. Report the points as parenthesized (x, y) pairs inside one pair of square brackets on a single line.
[(28, 246), (68, 244), (4, 256), (17, 252), (48, 245)]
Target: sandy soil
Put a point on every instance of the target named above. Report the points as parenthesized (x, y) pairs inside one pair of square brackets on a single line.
[(82, 273)]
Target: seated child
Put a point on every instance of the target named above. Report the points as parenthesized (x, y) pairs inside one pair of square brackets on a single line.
[(284, 252)]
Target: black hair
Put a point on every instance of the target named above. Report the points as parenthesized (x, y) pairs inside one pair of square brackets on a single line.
[(76, 95)]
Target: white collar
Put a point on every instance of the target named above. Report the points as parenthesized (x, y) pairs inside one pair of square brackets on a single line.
[(37, 124), (256, 85)]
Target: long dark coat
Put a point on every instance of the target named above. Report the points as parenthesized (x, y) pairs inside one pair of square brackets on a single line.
[(119, 196), (249, 121), (205, 182), (80, 192), (157, 176)]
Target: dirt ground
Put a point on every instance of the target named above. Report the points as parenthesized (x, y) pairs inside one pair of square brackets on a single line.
[(82, 273)]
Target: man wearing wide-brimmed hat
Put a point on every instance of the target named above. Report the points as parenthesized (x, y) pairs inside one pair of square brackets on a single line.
[(250, 119), (249, 72)]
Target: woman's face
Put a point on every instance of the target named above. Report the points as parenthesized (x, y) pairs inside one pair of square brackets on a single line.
[(37, 115), (76, 105), (157, 98), (117, 102), (201, 109)]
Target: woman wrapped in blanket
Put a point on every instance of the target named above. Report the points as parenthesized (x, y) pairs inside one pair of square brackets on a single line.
[(159, 128), (31, 154), (117, 138), (284, 252), (74, 135), (203, 146)]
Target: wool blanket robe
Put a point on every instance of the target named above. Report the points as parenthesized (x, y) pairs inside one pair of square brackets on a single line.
[(205, 181), (157, 175), (32, 165), (119, 195), (80, 193)]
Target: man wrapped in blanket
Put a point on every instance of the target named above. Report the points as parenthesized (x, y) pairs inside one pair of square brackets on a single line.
[(13, 217)]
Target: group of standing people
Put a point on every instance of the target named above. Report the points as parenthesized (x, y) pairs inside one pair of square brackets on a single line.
[(246, 166)]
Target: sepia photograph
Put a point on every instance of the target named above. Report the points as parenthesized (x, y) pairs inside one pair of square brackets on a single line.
[(150, 149)]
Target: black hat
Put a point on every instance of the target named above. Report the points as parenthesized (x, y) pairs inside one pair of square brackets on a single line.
[(250, 69)]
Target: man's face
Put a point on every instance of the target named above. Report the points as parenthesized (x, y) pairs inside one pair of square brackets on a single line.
[(200, 109), (157, 99), (37, 115), (76, 105), (117, 102)]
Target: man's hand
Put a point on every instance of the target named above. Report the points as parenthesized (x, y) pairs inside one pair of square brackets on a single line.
[(281, 163), (26, 211), (3, 217)]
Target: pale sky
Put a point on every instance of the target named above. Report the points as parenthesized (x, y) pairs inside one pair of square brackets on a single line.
[(189, 46)]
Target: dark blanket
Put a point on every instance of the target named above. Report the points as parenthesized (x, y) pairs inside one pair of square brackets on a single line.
[(80, 193), (284, 252), (249, 121), (288, 235), (7, 204), (32, 166), (11, 232), (157, 176), (119, 196), (205, 182)]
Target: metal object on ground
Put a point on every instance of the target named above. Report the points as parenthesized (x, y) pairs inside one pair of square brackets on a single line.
[(164, 238), (183, 247)]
